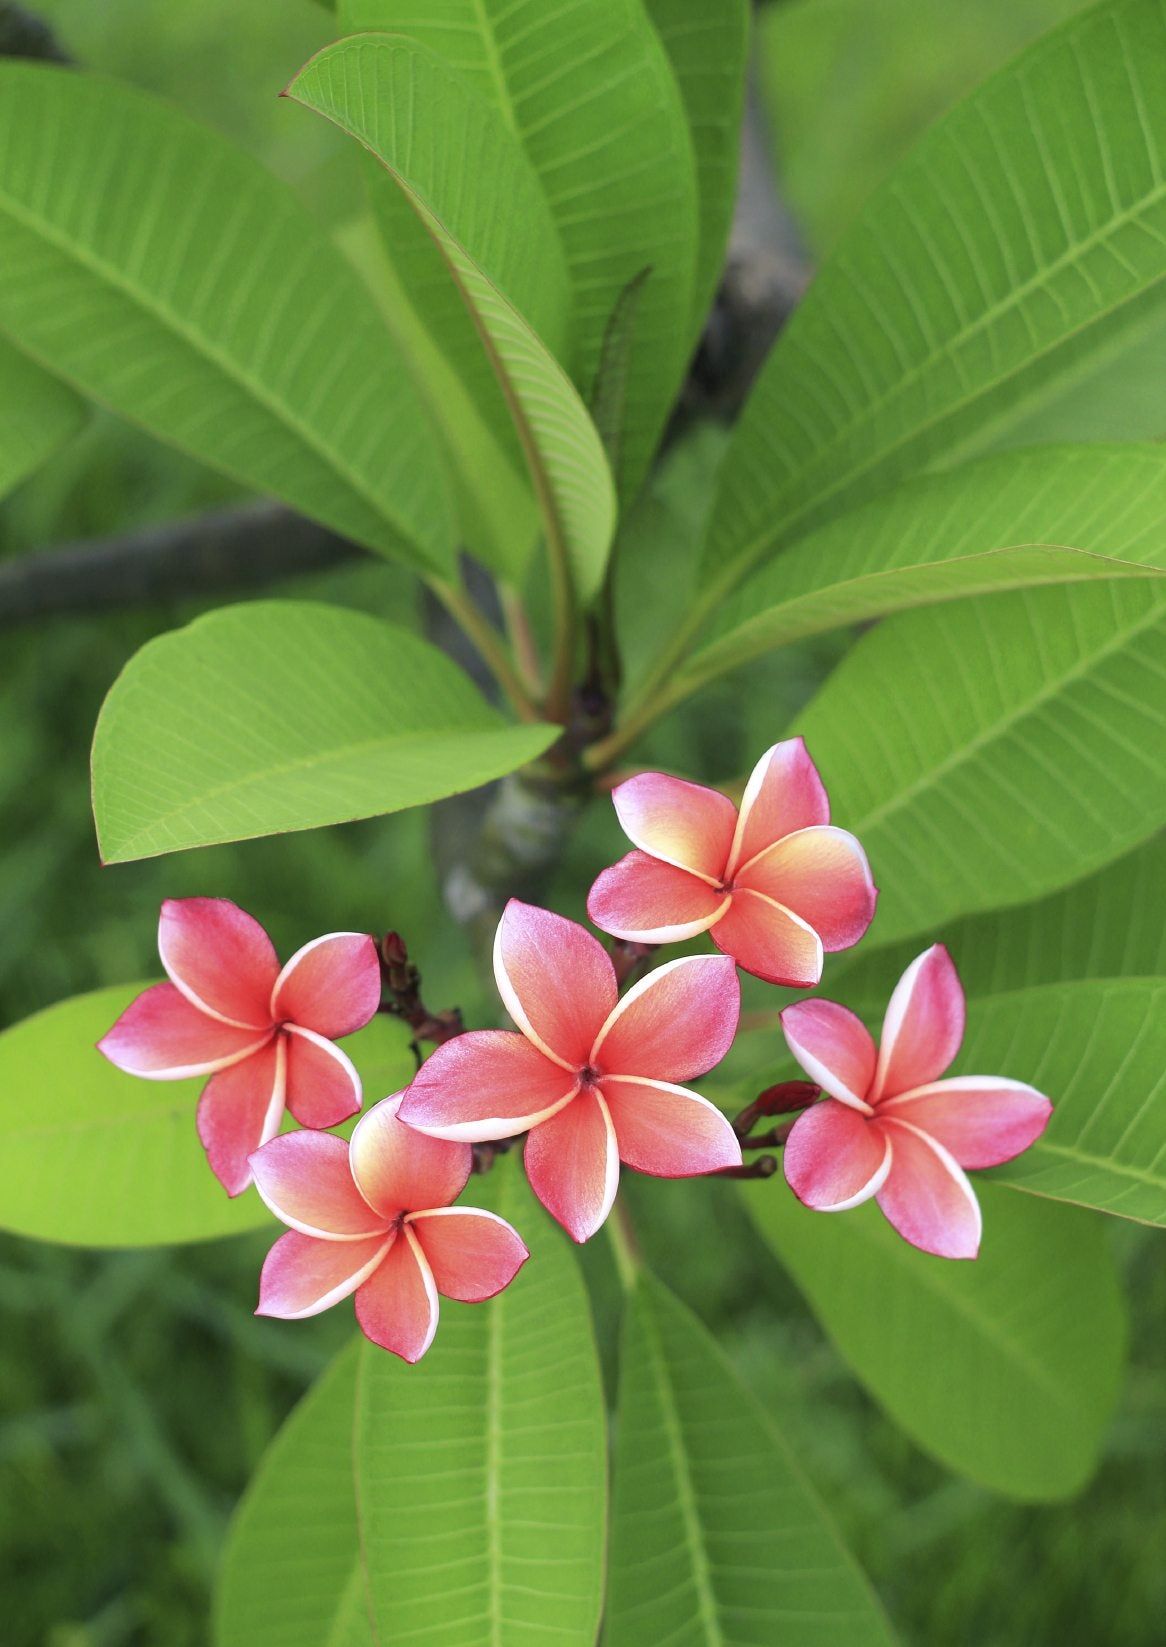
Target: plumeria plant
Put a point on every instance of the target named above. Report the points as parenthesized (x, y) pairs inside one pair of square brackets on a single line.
[(840, 704)]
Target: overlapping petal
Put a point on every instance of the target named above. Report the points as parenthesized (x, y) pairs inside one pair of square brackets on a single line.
[(302, 1276), (668, 1131), (926, 1195), (306, 1180), (675, 1023), (332, 985), (981, 1120), (836, 1158), (821, 874), (161, 1036), (488, 1083), (834, 1047), (323, 1087), (784, 793), (556, 981), (770, 941), (471, 1254), (240, 1109), (572, 1162), (220, 958), (680, 823), (399, 1169), (651, 902), (397, 1306), (923, 1027)]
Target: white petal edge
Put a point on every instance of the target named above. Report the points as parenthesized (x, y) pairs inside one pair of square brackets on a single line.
[(306, 949), (516, 1010), (430, 1287), (649, 981), (346, 1287), (822, 1075), (494, 1127), (949, 1161), (333, 1051)]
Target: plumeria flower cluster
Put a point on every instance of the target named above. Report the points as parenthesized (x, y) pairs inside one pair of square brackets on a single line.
[(592, 1080)]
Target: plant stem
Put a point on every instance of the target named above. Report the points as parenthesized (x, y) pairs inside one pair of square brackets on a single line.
[(490, 645), (521, 636), (625, 1248)]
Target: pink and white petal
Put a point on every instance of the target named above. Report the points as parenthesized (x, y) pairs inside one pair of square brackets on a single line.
[(651, 902), (769, 941), (675, 1023), (332, 985), (822, 875), (220, 958), (927, 1197), (162, 1037), (397, 1307), (306, 1180), (239, 1110), (835, 1158), (834, 1047), (487, 1083), (572, 1162), (667, 1131), (472, 1255), (981, 1120), (680, 823), (923, 1027), (323, 1087), (784, 793), (399, 1169), (302, 1276), (556, 981)]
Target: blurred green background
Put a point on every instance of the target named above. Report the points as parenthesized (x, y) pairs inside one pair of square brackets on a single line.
[(137, 1392)]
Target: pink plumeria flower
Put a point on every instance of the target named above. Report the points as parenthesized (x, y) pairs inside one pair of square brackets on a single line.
[(264, 1036), (890, 1127), (591, 1078), (374, 1218), (774, 885)]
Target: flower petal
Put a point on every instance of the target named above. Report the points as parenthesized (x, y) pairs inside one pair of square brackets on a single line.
[(769, 941), (927, 1196), (472, 1254), (220, 958), (822, 875), (923, 1027), (834, 1047), (981, 1120), (835, 1158), (784, 793), (488, 1083), (240, 1109), (302, 1276), (675, 1023), (306, 1180), (162, 1037), (332, 985), (651, 902), (680, 823), (399, 1169), (397, 1308), (666, 1130), (323, 1087), (556, 981), (572, 1162)]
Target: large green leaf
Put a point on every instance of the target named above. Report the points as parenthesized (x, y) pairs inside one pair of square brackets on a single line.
[(992, 750), (279, 715), (717, 1539), (1024, 237), (1006, 1368), (161, 270), (37, 414), (586, 85), (97, 1158), (1048, 515), (413, 113)]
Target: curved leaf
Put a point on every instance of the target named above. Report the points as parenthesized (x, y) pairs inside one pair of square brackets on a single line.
[(716, 1536), (411, 111), (165, 273), (1007, 1368), (97, 1158), (1024, 236), (279, 715), (991, 750), (37, 414)]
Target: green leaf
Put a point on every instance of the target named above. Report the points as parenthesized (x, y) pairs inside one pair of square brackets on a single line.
[(717, 1538), (995, 749), (37, 414), (1048, 515), (1023, 238), (279, 715), (1006, 1368), (411, 111), (584, 84), (97, 1158), (168, 275)]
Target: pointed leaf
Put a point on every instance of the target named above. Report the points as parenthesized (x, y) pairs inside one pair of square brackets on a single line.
[(37, 414)]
